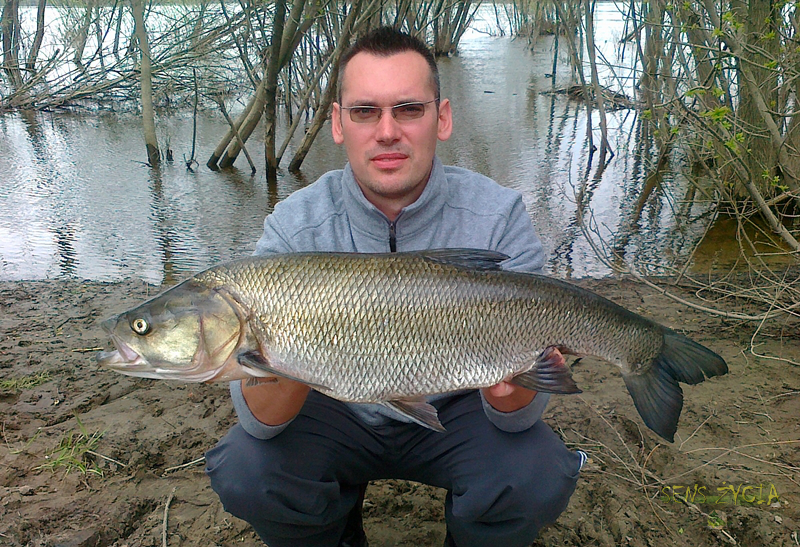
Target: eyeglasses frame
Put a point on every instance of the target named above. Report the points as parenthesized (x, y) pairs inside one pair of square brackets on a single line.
[(392, 108)]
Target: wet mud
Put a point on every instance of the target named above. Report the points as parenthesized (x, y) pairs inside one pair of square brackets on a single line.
[(91, 458)]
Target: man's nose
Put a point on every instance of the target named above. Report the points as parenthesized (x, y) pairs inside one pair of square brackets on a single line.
[(387, 129)]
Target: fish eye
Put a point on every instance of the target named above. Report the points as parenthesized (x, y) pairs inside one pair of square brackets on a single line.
[(140, 326)]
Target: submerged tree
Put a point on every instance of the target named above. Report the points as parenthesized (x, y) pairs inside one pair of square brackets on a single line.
[(145, 75), (10, 30)]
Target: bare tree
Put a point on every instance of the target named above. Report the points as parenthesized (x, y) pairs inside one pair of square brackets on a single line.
[(10, 29), (148, 112), (33, 54)]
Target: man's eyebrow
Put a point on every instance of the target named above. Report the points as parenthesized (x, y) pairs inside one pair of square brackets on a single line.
[(363, 103), (374, 103)]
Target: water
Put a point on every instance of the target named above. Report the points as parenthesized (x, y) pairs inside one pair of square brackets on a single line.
[(76, 201)]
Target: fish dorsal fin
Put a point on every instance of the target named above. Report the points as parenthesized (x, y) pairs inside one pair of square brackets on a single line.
[(473, 259)]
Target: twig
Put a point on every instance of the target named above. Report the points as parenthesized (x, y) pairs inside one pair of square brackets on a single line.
[(787, 394), (191, 162), (166, 511), (644, 491), (87, 350), (112, 460), (735, 450), (189, 464), (695, 431)]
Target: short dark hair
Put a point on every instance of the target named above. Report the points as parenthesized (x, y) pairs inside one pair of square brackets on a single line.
[(383, 42)]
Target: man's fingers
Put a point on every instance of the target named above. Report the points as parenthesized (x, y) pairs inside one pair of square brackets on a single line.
[(503, 389)]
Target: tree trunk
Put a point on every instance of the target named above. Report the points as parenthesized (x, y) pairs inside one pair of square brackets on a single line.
[(148, 115), (216, 155), (38, 37), (598, 90), (260, 102), (271, 88), (351, 26), (757, 149), (82, 35), (9, 27)]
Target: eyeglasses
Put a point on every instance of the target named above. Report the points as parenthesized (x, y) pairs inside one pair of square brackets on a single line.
[(405, 112)]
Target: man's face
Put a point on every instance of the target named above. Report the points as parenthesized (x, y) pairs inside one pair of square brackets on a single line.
[(391, 159)]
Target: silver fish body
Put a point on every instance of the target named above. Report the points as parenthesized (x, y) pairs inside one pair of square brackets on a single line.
[(394, 328)]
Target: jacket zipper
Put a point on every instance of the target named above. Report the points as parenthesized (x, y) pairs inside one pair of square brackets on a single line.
[(392, 237)]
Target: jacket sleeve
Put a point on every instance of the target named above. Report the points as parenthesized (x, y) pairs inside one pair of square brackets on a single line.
[(272, 241), (520, 242), (248, 421), (526, 254)]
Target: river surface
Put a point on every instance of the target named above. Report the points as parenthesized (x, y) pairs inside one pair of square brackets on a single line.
[(77, 201)]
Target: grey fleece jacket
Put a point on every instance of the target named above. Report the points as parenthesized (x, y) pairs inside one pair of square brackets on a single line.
[(457, 209)]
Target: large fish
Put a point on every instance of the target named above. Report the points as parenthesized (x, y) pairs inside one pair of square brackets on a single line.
[(393, 328)]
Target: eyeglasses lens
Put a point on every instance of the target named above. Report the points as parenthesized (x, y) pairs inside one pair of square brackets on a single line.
[(402, 112)]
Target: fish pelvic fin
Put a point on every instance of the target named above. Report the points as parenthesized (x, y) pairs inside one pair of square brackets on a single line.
[(418, 411), (655, 389), (550, 374), (254, 360)]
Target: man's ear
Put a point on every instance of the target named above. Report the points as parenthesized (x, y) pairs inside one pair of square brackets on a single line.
[(445, 120), (336, 124)]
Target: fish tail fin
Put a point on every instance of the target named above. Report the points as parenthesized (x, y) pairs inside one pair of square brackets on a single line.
[(655, 389), (549, 374)]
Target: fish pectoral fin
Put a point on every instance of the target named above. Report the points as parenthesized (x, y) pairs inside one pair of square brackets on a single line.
[(256, 380), (418, 411), (549, 374), (253, 359)]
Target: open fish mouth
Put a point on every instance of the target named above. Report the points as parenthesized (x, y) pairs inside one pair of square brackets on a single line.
[(128, 361), (124, 358)]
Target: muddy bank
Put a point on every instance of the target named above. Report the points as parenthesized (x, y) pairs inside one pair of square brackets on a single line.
[(737, 450)]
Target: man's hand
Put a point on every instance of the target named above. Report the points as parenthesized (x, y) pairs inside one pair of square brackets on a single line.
[(508, 397), (275, 401)]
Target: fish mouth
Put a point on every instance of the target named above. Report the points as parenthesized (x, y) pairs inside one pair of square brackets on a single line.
[(128, 361), (123, 358)]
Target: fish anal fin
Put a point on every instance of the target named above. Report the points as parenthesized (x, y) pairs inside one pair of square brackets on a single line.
[(549, 374), (418, 411), (254, 362)]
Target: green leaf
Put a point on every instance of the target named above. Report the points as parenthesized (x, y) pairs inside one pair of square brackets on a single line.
[(718, 114)]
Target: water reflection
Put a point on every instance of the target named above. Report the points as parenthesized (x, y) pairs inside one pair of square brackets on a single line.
[(77, 201)]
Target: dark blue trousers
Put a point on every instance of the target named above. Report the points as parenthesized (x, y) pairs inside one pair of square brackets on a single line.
[(297, 488)]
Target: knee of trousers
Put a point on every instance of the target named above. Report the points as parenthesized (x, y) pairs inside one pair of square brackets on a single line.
[(533, 487), (253, 485)]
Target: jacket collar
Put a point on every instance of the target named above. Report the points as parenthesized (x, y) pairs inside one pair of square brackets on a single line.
[(367, 219)]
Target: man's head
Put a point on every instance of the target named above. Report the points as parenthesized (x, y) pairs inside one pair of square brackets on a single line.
[(384, 42), (390, 150)]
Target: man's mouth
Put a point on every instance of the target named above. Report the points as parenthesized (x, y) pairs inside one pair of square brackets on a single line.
[(391, 160)]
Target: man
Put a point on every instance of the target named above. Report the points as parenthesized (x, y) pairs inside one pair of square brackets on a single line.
[(297, 464)]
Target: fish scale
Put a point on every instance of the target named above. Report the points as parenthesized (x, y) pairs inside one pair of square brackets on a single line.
[(394, 328)]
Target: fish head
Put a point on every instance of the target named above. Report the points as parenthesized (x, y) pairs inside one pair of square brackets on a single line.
[(190, 333)]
